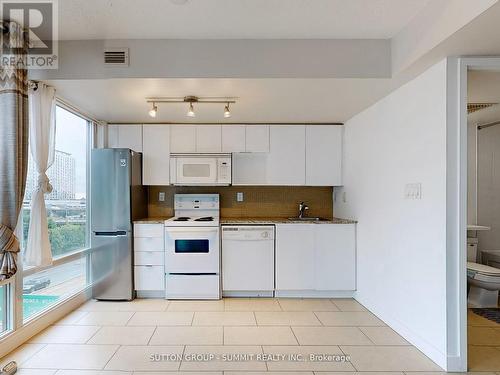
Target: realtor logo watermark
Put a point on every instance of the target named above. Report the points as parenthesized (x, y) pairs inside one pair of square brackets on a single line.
[(39, 22)]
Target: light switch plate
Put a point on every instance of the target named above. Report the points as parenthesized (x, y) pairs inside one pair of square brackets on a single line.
[(413, 191), (239, 197), (161, 196)]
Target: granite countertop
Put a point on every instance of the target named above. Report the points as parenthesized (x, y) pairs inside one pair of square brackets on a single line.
[(152, 220), (253, 220), (281, 220)]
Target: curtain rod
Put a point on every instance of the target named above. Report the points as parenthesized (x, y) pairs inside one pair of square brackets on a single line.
[(488, 125)]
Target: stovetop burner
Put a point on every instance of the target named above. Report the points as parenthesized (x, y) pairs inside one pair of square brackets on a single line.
[(182, 218), (206, 218)]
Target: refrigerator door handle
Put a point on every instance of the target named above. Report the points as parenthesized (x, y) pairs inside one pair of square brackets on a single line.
[(111, 234)]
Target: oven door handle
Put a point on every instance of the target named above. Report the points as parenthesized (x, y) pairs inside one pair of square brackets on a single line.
[(192, 230)]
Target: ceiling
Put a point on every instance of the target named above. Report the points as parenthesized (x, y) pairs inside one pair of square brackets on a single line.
[(235, 19), (260, 100)]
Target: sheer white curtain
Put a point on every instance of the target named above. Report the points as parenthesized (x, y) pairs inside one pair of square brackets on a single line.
[(42, 108)]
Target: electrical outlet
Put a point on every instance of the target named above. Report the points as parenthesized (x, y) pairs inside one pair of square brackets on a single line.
[(161, 196), (239, 197), (413, 191)]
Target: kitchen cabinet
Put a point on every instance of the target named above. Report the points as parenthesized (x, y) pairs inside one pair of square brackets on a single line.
[(315, 258), (335, 257), (295, 261), (256, 138), (149, 255), (308, 155), (208, 138), (286, 159), (233, 138), (182, 138), (156, 155), (195, 138), (125, 136), (284, 164), (324, 155), (250, 169)]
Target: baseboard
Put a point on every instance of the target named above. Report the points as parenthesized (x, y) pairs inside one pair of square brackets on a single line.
[(150, 294), (38, 324), (314, 293), (456, 364), (408, 334)]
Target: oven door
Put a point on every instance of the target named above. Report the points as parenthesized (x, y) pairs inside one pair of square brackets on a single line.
[(192, 250), (195, 170)]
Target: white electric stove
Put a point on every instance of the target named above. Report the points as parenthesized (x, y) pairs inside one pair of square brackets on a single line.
[(192, 248)]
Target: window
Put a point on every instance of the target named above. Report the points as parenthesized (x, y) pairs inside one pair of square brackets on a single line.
[(67, 213), (44, 288), (4, 308), (67, 203)]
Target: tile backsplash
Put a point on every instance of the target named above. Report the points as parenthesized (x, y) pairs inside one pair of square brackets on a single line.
[(259, 201)]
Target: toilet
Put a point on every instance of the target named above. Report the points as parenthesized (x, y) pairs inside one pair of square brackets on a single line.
[(484, 282)]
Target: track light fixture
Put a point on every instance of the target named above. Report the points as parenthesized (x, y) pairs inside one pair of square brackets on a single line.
[(227, 112), (190, 112), (153, 110), (191, 100)]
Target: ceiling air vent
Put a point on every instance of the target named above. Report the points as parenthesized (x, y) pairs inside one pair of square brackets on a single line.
[(116, 56)]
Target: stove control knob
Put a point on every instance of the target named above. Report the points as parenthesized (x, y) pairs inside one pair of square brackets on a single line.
[(265, 234)]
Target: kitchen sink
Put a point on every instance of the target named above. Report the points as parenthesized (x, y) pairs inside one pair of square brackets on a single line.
[(306, 219)]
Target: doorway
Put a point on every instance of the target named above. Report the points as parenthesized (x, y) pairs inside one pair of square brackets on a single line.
[(483, 218)]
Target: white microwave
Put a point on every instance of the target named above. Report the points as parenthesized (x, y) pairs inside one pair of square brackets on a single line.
[(200, 169)]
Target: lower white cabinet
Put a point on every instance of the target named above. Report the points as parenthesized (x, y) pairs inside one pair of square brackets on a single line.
[(335, 257), (149, 278), (149, 258), (315, 257), (295, 257)]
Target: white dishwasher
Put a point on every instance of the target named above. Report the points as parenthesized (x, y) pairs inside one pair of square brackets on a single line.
[(248, 260)]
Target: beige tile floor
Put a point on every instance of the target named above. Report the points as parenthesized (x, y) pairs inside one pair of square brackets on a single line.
[(230, 337), (484, 343)]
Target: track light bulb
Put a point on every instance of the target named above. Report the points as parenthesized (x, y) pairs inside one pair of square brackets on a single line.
[(227, 112), (190, 112), (153, 110)]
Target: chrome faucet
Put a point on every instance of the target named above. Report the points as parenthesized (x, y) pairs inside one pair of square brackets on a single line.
[(302, 209)]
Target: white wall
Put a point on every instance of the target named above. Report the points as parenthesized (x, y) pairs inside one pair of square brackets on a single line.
[(483, 116), (488, 186), (401, 243)]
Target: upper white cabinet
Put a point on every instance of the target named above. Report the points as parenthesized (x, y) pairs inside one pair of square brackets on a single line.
[(323, 155), (257, 138), (195, 138), (155, 157), (208, 138), (182, 138), (250, 169), (233, 138), (297, 155), (315, 257), (125, 136), (286, 159)]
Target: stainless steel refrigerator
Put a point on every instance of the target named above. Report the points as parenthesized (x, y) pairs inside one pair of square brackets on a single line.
[(117, 198)]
